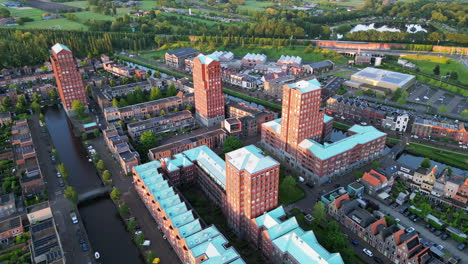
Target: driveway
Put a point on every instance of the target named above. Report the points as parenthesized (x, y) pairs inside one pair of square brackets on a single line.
[(450, 245)]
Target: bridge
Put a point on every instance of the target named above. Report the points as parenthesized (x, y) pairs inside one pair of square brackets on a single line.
[(93, 194), (396, 150)]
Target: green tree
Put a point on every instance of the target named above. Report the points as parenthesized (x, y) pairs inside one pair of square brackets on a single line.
[(78, 107), (115, 102), (123, 210), (231, 143), (162, 112), (84, 136), (6, 102), (96, 133), (139, 239), (436, 70), (175, 110), (151, 257), (36, 107), (123, 102), (112, 82), (319, 213), (131, 225), (157, 74), (52, 94), (36, 97), (148, 139), (115, 194), (4, 13), (171, 90), (106, 175), (188, 107), (121, 124), (100, 165), (426, 163), (71, 194), (442, 109), (155, 93), (63, 170), (88, 89)]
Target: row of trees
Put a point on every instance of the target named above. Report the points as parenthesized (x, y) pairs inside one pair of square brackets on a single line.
[(140, 96)]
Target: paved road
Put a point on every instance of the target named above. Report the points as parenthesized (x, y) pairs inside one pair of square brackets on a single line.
[(450, 245), (60, 205)]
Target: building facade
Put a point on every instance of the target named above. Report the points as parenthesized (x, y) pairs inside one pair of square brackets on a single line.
[(443, 130), (70, 83), (176, 58), (209, 98)]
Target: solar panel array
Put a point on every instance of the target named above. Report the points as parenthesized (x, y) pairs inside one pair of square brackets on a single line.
[(44, 249), (43, 241), (41, 226)]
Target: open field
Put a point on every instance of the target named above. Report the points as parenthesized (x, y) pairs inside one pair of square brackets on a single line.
[(24, 11), (255, 5), (449, 157), (48, 6), (344, 74), (60, 23), (80, 4), (91, 15), (147, 4), (427, 63), (353, 3)]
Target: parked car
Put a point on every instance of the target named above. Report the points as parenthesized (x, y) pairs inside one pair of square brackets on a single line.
[(406, 213), (367, 252), (403, 210), (439, 247), (395, 205), (59, 175), (84, 247), (444, 236), (310, 185), (417, 218), (461, 246), (354, 242), (428, 226), (409, 229), (61, 182), (438, 233), (73, 217), (433, 229)]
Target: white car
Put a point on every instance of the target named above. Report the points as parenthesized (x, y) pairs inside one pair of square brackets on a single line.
[(59, 175), (367, 252), (417, 99), (409, 229)]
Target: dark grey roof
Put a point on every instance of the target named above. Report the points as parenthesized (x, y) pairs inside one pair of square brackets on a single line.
[(320, 64), (183, 52)]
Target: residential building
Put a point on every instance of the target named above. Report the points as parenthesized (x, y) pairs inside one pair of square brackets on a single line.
[(250, 60), (293, 61), (318, 67), (223, 56), (273, 83), (161, 124), (123, 71), (213, 139), (69, 81), (7, 205), (243, 80), (396, 122), (374, 182), (251, 186), (10, 228), (282, 240), (355, 189), (191, 240), (5, 118), (373, 78), (455, 131), (295, 136), (38, 212), (152, 108), (121, 149), (209, 98), (176, 58), (45, 243), (363, 59), (250, 117)]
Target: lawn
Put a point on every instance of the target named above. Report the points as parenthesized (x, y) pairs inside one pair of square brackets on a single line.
[(457, 159), (255, 5), (195, 19), (344, 74), (341, 126), (81, 4), (147, 4), (289, 191), (353, 3), (60, 23), (85, 15), (427, 64)]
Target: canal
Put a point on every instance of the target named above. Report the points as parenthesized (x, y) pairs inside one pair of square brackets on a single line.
[(106, 231)]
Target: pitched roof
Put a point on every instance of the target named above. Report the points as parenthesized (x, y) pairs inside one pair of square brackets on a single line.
[(374, 178)]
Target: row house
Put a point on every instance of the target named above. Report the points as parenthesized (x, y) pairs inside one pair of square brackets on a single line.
[(396, 244), (294, 61), (243, 80), (41, 90), (455, 131), (123, 71), (375, 182), (152, 108), (11, 228), (161, 124), (250, 60), (121, 148), (176, 58), (282, 240), (213, 138), (192, 241), (356, 110)]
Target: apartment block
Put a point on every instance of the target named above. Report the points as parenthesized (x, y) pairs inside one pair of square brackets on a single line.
[(123, 71), (69, 81), (455, 131), (176, 58), (249, 118), (209, 98), (152, 108), (191, 239), (46, 246), (282, 240), (161, 124), (122, 150)]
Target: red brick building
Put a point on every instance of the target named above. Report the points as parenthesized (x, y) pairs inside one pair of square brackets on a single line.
[(209, 98), (252, 181), (434, 129), (70, 83)]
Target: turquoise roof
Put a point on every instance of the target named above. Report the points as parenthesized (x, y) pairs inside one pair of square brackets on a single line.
[(88, 125), (325, 151), (210, 162), (250, 159), (305, 86), (289, 238), (207, 59), (190, 228), (215, 251), (202, 236), (57, 48), (182, 219), (149, 165), (327, 118), (274, 124), (178, 161)]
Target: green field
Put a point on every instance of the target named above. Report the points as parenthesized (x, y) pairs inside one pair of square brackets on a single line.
[(147, 4), (353, 3), (85, 15), (28, 12), (344, 74), (255, 5), (60, 23), (427, 63), (80, 4)]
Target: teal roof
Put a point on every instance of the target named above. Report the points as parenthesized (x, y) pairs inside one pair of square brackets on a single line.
[(250, 159), (324, 151), (182, 219), (210, 162), (274, 124), (57, 48), (202, 236), (271, 218), (207, 59), (283, 228), (178, 161), (327, 118), (88, 125), (147, 166), (215, 251), (304, 248), (305, 86), (190, 228)]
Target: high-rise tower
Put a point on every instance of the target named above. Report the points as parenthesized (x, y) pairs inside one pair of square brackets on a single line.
[(70, 83), (209, 98)]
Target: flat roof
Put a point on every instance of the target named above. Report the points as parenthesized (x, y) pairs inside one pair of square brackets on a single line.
[(274, 124), (364, 134), (305, 86), (384, 76), (250, 159), (210, 162), (207, 59)]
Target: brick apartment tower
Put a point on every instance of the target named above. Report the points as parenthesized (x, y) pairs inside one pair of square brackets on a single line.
[(252, 181), (70, 83), (209, 98), (301, 117)]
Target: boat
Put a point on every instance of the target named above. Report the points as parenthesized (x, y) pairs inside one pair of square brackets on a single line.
[(97, 255)]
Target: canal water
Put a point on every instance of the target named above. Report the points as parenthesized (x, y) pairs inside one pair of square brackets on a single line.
[(106, 231)]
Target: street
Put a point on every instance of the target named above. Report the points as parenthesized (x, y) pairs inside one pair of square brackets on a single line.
[(59, 204)]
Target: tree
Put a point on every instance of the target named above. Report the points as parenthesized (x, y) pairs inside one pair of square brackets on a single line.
[(148, 139), (36, 107), (171, 90), (188, 107), (63, 170), (123, 210), (112, 82), (442, 109), (52, 94), (96, 133), (88, 89), (319, 213), (139, 239), (4, 13), (454, 75), (131, 225), (115, 102), (36, 97), (115, 194), (84, 136), (426, 163), (162, 112), (436, 70), (175, 110), (106, 175), (231, 143), (78, 107), (71, 194), (157, 74), (151, 258), (155, 93), (100, 165)]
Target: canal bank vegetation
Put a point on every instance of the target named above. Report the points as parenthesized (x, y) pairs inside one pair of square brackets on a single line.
[(449, 157)]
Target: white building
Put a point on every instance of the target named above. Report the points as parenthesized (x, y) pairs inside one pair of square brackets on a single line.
[(398, 122), (223, 55), (295, 61), (252, 59)]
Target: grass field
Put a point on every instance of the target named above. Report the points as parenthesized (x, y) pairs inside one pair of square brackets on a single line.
[(147, 4), (80, 4), (29, 12), (353, 3), (344, 74), (456, 159), (60, 23), (91, 15), (255, 5), (427, 63)]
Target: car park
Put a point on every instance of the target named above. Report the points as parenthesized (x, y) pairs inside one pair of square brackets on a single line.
[(367, 252)]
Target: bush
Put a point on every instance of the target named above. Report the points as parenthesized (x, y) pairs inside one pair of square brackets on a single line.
[(115, 194)]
